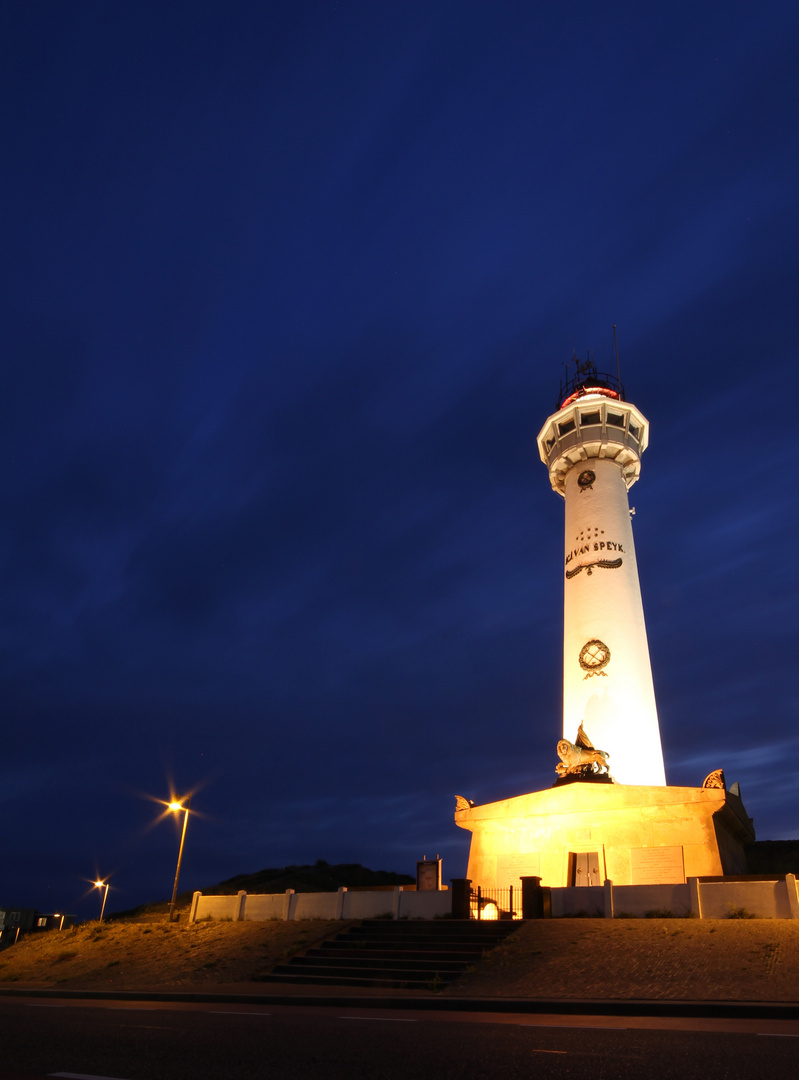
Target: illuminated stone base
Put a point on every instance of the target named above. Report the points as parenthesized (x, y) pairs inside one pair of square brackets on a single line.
[(585, 833)]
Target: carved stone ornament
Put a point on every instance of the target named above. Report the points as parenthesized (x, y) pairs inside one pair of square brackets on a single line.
[(462, 803), (594, 656), (603, 564), (580, 757), (716, 780)]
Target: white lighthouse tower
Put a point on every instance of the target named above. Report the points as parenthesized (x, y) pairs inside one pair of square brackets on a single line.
[(592, 447)]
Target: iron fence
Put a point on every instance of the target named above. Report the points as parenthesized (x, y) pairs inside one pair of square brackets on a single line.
[(496, 903)]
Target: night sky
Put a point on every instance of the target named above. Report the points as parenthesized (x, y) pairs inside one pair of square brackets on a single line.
[(288, 291)]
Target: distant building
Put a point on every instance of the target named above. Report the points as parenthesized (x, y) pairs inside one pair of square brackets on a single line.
[(17, 921)]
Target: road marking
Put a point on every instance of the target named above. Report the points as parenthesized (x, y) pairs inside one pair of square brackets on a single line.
[(235, 1012), (562, 1027), (122, 1007), (385, 1019), (83, 1076)]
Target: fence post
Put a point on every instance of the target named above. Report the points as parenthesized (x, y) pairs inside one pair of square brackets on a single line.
[(195, 900), (479, 901), (461, 894), (287, 905), (696, 903), (793, 897), (609, 914), (536, 901)]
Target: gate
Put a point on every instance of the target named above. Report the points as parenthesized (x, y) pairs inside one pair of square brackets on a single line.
[(496, 903)]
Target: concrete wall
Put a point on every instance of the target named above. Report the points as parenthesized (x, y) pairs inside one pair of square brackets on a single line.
[(766, 898), (214, 907), (587, 900), (292, 906), (259, 908), (637, 900)]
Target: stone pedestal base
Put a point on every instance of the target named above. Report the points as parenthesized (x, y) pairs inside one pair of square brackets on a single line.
[(588, 833)]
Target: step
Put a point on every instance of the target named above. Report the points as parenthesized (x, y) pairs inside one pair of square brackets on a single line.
[(403, 940), (408, 975), (408, 940), (400, 963), (391, 947), (393, 955), (437, 928), (439, 956), (402, 983)]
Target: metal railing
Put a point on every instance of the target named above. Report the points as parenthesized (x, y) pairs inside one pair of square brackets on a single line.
[(587, 379), (495, 903)]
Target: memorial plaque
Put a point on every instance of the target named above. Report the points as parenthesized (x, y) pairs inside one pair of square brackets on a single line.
[(657, 866), (511, 868)]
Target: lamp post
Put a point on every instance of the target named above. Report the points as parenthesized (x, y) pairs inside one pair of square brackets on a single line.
[(176, 806), (100, 885)]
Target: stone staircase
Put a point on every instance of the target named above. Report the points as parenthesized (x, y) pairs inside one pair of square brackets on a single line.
[(394, 954)]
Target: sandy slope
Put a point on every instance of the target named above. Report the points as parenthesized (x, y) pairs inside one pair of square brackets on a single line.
[(755, 960)]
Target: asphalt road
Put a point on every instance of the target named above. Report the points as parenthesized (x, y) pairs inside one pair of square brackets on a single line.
[(155, 1041)]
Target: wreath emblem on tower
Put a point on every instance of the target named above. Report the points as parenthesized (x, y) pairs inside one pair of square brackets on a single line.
[(594, 656), (585, 481)]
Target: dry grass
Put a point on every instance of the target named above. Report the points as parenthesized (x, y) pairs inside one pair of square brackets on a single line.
[(677, 959), (156, 955), (714, 960)]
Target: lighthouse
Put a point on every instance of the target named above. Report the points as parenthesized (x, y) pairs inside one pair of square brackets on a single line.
[(592, 447), (609, 818)]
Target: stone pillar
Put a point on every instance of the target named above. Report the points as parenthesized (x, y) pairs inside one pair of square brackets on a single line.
[(461, 895), (195, 900), (287, 905), (536, 899), (608, 899), (342, 896), (793, 897), (693, 892), (242, 898)]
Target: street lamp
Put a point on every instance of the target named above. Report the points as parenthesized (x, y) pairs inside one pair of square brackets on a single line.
[(175, 807), (100, 885)]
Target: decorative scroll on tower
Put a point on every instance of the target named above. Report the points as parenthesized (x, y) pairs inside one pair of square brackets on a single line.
[(592, 447)]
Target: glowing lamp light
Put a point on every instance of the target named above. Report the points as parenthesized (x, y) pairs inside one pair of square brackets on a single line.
[(102, 885), (590, 391), (176, 806)]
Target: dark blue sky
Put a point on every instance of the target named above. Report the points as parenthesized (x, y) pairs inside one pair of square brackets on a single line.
[(287, 293)]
